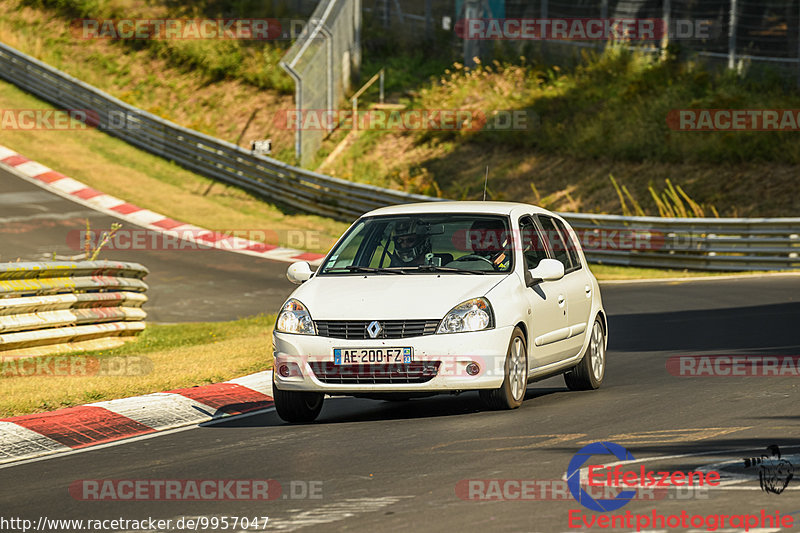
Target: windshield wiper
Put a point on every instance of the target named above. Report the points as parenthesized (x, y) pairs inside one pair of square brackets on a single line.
[(371, 270), (434, 268)]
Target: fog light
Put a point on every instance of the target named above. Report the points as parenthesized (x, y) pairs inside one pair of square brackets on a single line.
[(283, 370), (473, 369)]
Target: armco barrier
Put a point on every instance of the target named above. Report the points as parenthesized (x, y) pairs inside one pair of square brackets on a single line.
[(702, 244), (45, 306), (726, 244)]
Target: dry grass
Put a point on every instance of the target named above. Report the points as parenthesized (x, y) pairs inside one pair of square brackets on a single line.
[(177, 356)]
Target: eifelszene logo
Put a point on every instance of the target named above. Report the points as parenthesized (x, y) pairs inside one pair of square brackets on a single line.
[(574, 476), (618, 476)]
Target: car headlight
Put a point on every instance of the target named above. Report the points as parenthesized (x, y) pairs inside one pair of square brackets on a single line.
[(472, 315), (294, 318)]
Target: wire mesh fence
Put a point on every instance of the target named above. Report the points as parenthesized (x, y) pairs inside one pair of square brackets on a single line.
[(732, 33), (323, 62)]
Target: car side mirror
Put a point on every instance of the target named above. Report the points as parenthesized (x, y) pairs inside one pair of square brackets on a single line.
[(548, 270), (299, 272)]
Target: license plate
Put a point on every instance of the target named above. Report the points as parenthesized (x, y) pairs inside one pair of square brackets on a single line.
[(371, 356)]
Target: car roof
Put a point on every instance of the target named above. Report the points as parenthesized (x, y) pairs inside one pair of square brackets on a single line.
[(476, 207)]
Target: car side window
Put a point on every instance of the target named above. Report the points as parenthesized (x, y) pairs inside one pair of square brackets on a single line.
[(556, 240), (572, 248), (533, 246)]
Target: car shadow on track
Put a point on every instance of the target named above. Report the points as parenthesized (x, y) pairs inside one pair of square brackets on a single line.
[(733, 329), (347, 409)]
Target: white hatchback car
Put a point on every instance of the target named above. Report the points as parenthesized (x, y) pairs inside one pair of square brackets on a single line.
[(443, 297)]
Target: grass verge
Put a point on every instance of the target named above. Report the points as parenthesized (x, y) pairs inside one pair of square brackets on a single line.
[(180, 355)]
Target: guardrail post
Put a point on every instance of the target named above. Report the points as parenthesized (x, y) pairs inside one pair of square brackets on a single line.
[(732, 22)]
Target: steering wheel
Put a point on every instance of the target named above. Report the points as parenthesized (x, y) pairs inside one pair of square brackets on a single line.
[(475, 257)]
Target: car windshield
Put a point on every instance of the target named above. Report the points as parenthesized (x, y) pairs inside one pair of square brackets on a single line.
[(424, 244)]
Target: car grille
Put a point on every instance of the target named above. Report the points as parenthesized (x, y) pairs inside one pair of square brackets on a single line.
[(419, 372), (390, 329)]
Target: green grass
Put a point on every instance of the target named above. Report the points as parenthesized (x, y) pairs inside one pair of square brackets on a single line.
[(253, 62), (173, 356)]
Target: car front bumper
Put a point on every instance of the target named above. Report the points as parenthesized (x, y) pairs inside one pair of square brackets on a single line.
[(300, 355)]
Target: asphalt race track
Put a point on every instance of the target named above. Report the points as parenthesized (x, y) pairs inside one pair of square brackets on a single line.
[(396, 466), (185, 285)]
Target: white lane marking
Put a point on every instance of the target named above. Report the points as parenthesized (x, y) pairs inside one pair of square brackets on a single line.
[(49, 216), (22, 198), (332, 512)]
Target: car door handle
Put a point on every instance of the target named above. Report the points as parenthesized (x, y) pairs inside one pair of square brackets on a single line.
[(561, 300), (588, 290)]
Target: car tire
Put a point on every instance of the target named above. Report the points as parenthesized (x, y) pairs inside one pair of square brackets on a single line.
[(589, 373), (297, 407), (515, 381)]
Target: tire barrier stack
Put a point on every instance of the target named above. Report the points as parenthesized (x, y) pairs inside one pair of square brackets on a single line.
[(48, 307)]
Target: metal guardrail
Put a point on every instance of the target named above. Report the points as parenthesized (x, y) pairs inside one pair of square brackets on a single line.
[(733, 244), (45, 306), (703, 244)]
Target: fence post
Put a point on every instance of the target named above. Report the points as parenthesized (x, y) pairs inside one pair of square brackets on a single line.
[(470, 12), (428, 19), (665, 21), (732, 22), (544, 14), (298, 103), (329, 71)]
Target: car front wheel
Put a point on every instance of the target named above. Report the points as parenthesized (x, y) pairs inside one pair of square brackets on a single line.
[(515, 382), (589, 373), (297, 407)]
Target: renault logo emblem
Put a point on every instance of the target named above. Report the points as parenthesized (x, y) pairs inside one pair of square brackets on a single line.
[(374, 329)]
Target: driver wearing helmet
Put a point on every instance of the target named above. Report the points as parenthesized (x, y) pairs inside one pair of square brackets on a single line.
[(411, 244)]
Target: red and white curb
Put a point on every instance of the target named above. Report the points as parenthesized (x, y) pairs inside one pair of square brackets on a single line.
[(31, 436), (81, 193)]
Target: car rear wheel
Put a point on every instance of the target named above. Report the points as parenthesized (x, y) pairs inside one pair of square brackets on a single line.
[(297, 407), (512, 391), (590, 371)]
